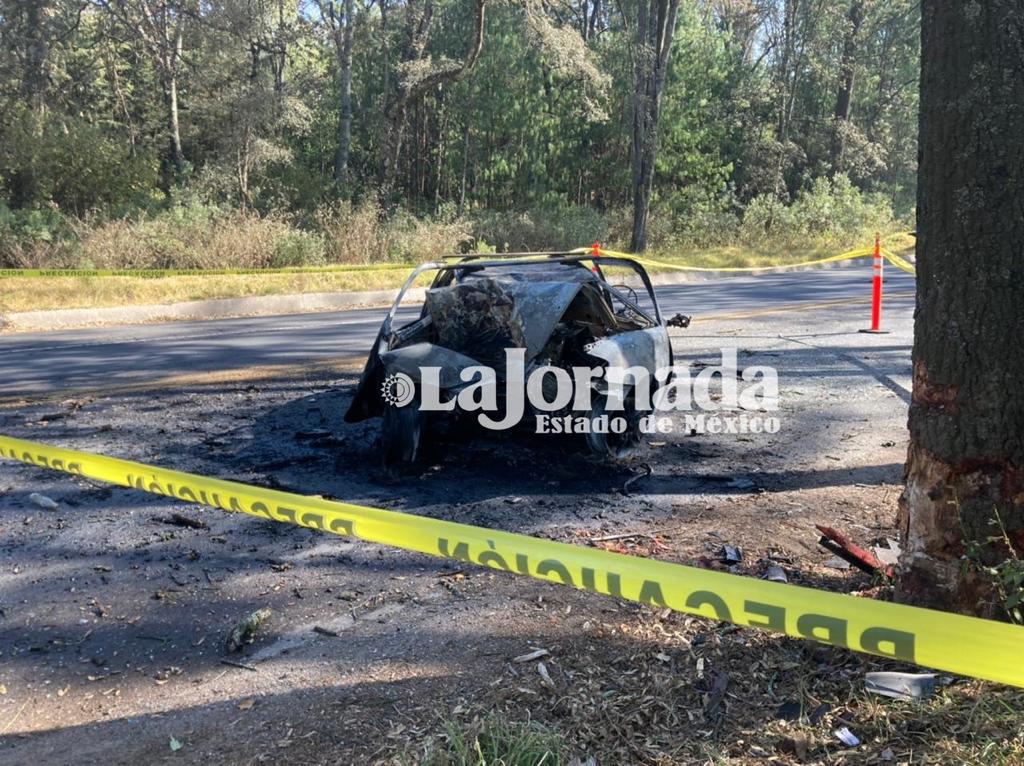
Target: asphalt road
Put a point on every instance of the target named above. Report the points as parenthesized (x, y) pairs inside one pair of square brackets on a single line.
[(37, 363)]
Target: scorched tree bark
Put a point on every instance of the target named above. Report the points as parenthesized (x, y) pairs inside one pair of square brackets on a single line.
[(965, 467)]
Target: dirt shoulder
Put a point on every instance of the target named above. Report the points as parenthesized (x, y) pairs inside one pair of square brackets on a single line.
[(114, 616)]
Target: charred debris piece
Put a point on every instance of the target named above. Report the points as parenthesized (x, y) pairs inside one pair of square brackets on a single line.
[(245, 630)]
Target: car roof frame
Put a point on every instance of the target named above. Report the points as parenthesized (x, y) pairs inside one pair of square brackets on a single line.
[(471, 262)]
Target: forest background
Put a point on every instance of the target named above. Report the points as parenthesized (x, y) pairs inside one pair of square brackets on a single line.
[(263, 133)]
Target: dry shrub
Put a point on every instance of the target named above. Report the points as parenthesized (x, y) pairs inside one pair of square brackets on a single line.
[(352, 234), (198, 238), (18, 253), (418, 239), (363, 234)]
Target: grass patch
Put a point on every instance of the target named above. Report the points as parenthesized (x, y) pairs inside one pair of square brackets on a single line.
[(39, 294), (495, 741), (643, 691)]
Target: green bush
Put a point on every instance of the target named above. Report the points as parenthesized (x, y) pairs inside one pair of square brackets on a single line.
[(36, 238), (297, 248), (830, 212), (766, 219)]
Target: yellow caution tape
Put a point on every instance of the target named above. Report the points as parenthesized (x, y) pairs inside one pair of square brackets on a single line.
[(950, 642), (847, 256), (161, 273), (356, 267), (898, 261)]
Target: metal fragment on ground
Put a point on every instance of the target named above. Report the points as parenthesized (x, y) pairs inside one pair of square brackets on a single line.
[(847, 737), (776, 573), (904, 686)]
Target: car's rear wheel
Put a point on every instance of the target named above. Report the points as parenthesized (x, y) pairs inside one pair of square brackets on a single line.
[(401, 430)]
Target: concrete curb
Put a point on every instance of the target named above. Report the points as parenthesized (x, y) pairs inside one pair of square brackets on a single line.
[(269, 305), (221, 308)]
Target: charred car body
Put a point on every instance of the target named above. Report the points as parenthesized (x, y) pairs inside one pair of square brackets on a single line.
[(559, 309)]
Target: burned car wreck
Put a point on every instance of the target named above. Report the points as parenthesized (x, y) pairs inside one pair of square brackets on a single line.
[(489, 322)]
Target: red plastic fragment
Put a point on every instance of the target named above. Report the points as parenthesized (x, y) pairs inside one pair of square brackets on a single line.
[(837, 543)]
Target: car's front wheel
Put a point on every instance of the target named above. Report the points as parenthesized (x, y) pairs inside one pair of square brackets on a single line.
[(613, 442)]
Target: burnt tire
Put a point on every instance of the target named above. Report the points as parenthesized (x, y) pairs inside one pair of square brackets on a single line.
[(401, 431), (616, 445)]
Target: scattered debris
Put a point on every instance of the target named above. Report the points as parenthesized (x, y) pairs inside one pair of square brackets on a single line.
[(776, 573), (837, 563), (840, 545), (245, 631), (647, 471), (545, 676), (889, 555), (716, 695), (730, 555), (44, 502), (847, 737), (241, 665), (181, 520), (901, 686), (246, 704), (622, 536), (175, 745), (789, 710), (536, 654), (796, 743), (325, 631), (818, 713)]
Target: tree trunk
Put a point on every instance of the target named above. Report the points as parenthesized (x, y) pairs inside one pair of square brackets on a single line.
[(465, 159), (964, 493), (344, 51), (655, 29), (847, 76), (37, 54), (175, 163)]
